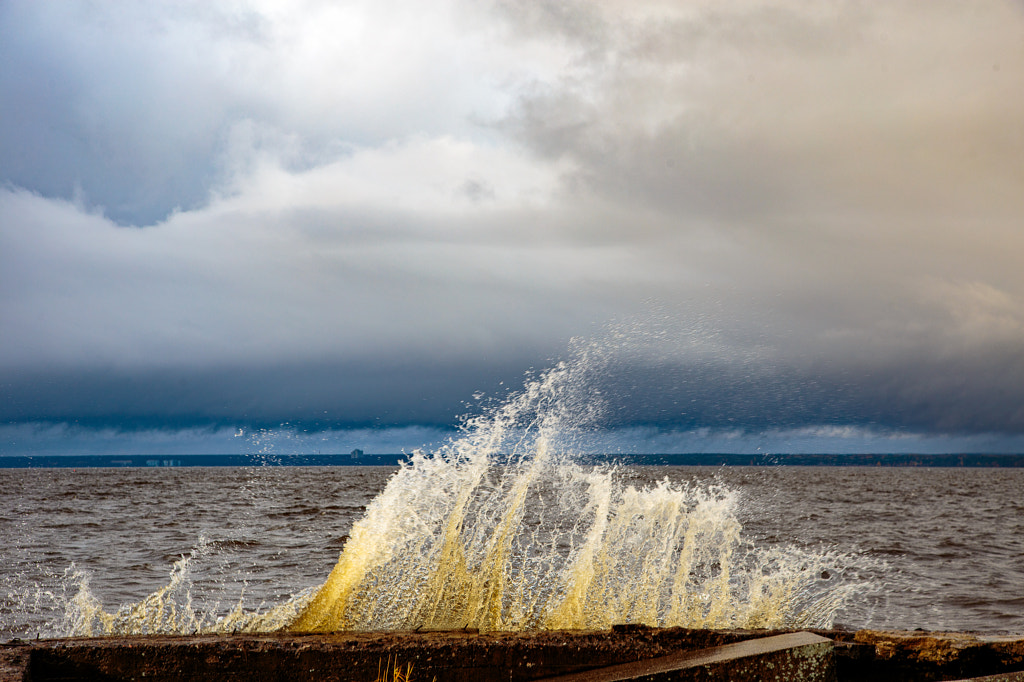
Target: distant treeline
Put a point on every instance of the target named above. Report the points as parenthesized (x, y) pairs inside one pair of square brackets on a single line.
[(701, 459)]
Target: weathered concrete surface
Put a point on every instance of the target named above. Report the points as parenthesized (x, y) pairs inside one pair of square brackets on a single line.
[(13, 661), (795, 657), (509, 657), (359, 656), (1006, 677), (937, 655)]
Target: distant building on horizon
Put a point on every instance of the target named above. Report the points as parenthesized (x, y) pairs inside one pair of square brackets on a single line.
[(357, 453)]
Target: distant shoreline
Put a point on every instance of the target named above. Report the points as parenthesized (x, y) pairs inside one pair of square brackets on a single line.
[(694, 459)]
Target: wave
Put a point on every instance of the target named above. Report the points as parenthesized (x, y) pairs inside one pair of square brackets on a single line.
[(503, 529)]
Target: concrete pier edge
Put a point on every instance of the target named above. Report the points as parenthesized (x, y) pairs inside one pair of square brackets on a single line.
[(492, 656)]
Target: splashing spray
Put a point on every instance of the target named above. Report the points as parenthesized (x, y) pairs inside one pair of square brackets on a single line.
[(503, 529)]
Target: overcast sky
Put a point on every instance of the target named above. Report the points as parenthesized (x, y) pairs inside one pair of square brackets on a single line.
[(797, 225)]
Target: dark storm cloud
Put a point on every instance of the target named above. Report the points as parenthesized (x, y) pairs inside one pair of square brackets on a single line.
[(136, 136), (375, 393), (810, 212), (915, 395)]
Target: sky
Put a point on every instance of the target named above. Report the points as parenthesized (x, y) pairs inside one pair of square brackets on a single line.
[(791, 226)]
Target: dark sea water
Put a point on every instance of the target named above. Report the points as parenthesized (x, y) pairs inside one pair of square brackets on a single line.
[(938, 549)]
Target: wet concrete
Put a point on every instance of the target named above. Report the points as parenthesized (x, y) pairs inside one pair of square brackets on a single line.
[(894, 655), (487, 657), (799, 656)]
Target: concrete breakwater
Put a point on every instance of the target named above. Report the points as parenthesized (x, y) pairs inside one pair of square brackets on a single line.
[(651, 654)]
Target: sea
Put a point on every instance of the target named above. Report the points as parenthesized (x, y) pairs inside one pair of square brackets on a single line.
[(98, 551)]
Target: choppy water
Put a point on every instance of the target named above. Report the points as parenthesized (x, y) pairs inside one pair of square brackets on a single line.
[(952, 540)]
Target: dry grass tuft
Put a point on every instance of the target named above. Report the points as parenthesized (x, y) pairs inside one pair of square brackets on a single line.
[(394, 673)]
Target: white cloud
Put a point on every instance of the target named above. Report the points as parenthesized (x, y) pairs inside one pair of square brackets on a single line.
[(141, 105), (433, 177), (825, 185)]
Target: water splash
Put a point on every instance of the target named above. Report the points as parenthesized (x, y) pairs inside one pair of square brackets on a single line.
[(502, 529), (170, 610)]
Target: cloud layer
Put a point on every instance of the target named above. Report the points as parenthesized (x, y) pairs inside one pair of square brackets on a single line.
[(808, 215)]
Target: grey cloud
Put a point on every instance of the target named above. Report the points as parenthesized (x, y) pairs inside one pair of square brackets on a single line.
[(731, 111), (824, 199), (140, 111), (827, 164), (93, 108), (83, 291)]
